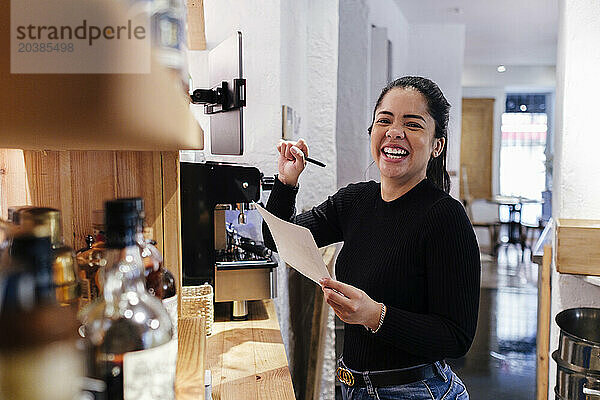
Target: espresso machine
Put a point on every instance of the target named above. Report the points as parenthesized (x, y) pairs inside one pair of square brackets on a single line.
[(217, 211)]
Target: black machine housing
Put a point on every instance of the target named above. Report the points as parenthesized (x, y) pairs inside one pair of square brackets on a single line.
[(203, 186)]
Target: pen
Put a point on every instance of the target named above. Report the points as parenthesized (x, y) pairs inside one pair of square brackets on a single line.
[(319, 163)]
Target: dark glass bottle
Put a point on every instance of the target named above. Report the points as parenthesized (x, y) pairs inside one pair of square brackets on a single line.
[(159, 280), (64, 270), (91, 262), (89, 242), (129, 333), (39, 358)]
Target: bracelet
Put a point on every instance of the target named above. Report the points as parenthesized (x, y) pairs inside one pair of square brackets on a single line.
[(381, 317)]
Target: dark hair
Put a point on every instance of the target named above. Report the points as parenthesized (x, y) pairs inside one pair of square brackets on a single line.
[(439, 109)]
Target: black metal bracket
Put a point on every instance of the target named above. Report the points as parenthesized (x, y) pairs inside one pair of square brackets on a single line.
[(221, 98)]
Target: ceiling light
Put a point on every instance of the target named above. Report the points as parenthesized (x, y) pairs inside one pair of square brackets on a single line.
[(501, 68), (455, 10), (523, 107)]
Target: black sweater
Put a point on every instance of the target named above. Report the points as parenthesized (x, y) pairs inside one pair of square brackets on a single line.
[(417, 254)]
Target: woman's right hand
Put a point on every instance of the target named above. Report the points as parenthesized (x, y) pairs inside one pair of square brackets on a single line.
[(291, 160)]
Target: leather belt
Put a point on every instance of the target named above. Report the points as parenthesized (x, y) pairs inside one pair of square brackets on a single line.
[(388, 378)]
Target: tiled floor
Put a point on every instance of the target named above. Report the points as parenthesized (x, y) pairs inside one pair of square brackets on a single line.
[(502, 360)]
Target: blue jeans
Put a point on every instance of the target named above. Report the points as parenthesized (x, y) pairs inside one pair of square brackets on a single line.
[(445, 385)]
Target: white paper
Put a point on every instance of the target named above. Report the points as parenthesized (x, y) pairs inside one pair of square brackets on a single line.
[(296, 246)]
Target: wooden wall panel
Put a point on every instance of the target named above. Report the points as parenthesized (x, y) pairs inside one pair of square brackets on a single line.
[(66, 198), (93, 181), (139, 175), (171, 207), (49, 181), (78, 182), (43, 175)]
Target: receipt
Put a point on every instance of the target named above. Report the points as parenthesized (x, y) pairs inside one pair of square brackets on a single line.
[(296, 246)]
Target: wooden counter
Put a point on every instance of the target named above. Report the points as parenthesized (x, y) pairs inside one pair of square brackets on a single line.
[(247, 358)]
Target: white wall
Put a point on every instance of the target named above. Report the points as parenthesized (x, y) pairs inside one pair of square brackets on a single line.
[(436, 52), (321, 98), (290, 57), (309, 62), (354, 92), (259, 22), (387, 14), (537, 76), (576, 171), (353, 83)]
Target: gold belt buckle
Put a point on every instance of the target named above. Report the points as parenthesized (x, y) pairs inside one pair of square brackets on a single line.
[(345, 376)]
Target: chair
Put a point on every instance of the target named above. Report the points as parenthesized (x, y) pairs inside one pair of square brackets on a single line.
[(534, 229), (493, 226)]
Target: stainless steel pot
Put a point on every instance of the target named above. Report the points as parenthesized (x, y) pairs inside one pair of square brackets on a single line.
[(579, 342), (575, 383)]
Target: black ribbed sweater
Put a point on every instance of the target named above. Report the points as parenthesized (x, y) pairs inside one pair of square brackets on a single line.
[(417, 254)]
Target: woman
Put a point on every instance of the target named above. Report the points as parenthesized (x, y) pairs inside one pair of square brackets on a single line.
[(408, 273)]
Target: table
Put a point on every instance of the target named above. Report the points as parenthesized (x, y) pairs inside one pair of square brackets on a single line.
[(515, 227)]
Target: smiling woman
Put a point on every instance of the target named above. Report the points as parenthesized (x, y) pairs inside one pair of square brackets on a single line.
[(408, 273), (415, 111)]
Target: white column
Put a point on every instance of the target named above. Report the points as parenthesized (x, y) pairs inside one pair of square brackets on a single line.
[(576, 167), (436, 51)]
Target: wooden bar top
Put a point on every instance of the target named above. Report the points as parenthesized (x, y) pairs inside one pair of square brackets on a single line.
[(247, 358), (191, 351)]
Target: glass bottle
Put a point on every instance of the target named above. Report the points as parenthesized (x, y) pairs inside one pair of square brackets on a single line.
[(14, 212), (128, 332), (91, 262), (160, 282), (63, 265), (89, 242), (39, 358)]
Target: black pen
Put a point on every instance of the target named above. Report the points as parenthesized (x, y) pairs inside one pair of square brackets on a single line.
[(319, 163), (310, 160)]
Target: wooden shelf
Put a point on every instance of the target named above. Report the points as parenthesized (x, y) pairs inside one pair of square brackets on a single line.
[(577, 250), (92, 111), (247, 358), (191, 359)]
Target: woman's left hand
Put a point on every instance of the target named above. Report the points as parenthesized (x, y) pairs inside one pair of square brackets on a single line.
[(353, 306)]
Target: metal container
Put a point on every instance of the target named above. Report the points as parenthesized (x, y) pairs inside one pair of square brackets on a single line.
[(575, 383), (579, 342), (578, 355)]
